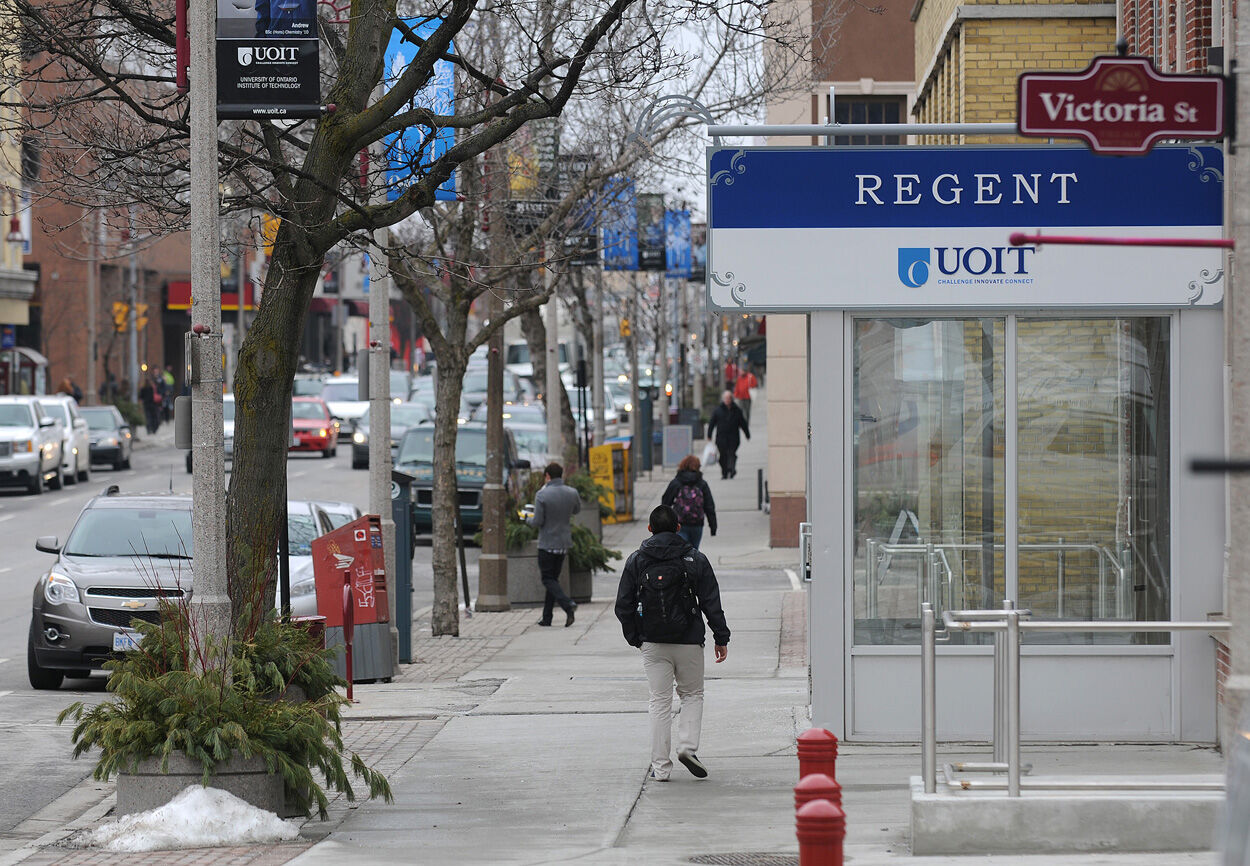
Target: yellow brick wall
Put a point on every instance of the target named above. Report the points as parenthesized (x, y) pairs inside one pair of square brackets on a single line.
[(974, 77)]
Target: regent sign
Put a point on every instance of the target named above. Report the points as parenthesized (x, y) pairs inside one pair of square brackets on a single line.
[(1121, 105)]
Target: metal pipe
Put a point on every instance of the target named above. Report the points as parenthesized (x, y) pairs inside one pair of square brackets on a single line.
[(928, 697), (820, 130), (1013, 703), (1061, 578), (1093, 626), (996, 731), (871, 577)]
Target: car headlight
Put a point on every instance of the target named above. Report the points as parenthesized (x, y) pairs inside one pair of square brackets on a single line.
[(109, 440), (26, 445), (303, 587), (60, 590), (323, 432), (359, 438)]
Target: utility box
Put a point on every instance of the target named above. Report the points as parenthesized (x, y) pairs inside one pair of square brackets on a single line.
[(371, 645)]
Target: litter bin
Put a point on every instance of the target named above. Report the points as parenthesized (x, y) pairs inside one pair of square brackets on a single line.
[(690, 417)]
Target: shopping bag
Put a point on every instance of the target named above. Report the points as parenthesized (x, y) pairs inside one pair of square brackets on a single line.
[(710, 454)]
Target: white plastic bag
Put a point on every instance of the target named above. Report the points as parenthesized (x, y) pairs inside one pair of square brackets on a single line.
[(710, 454)]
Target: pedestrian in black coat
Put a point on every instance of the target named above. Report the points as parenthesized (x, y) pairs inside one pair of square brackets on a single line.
[(726, 421), (688, 475)]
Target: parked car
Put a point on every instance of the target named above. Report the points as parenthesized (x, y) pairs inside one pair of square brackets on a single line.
[(30, 445), (307, 385), (341, 394), (227, 422), (340, 513), (517, 361), (416, 457), (75, 437), (473, 389), (312, 426), (531, 442), (124, 554), (111, 438), (403, 416), (305, 521)]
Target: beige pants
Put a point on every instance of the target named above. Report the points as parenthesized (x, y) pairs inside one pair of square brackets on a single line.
[(668, 665)]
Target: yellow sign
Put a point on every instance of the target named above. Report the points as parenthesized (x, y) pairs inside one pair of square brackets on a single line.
[(609, 466)]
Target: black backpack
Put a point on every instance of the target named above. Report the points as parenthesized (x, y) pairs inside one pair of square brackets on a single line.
[(666, 601)]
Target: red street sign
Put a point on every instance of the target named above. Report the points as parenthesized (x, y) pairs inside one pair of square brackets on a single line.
[(1120, 105)]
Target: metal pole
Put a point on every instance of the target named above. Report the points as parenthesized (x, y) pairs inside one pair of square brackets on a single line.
[(132, 314), (555, 433), (380, 401), (928, 697), (661, 339), (1061, 580), (635, 409), (1013, 703), (596, 359), (93, 300), (211, 601)]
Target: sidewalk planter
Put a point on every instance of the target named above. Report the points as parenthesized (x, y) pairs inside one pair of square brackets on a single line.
[(148, 787), (590, 518), (525, 583)]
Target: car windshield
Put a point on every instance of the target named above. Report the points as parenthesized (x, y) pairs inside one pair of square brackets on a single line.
[(227, 410), (307, 387), (518, 353), (408, 414), (59, 411), (15, 415), (418, 446), (399, 383), (341, 392), (161, 533), (528, 414), (530, 441), (313, 411), (100, 418), (338, 519), (301, 530), (475, 380)]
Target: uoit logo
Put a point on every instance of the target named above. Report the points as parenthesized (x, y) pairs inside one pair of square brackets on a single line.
[(964, 265), (245, 56), (913, 266)]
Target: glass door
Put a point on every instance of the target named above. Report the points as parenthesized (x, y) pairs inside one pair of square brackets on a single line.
[(1091, 407)]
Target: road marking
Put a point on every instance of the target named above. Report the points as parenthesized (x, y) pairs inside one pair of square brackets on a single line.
[(299, 474), (2, 694), (795, 583), (5, 569), (2, 661), (7, 517)]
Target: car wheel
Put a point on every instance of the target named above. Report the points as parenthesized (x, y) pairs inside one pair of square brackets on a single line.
[(35, 485), (188, 462), (77, 675), (40, 678), (70, 477), (119, 465), (360, 464), (126, 462), (84, 474), (328, 453)]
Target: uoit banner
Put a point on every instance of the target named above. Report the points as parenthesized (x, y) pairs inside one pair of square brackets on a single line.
[(267, 61)]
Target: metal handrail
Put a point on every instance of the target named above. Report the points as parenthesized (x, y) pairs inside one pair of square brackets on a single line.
[(929, 584), (1008, 622)]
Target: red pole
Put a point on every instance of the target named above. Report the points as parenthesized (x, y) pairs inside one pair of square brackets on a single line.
[(349, 624), (821, 830), (818, 752), (817, 786)]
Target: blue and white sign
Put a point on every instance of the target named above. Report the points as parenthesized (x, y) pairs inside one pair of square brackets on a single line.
[(620, 226), (795, 229), (411, 150), (677, 244)]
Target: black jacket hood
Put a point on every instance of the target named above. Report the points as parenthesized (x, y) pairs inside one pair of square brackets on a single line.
[(664, 545), (689, 476)]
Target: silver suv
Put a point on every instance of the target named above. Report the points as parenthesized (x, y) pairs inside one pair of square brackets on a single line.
[(30, 445), (124, 554)]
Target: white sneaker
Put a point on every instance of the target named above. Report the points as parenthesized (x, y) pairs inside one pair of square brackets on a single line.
[(652, 775)]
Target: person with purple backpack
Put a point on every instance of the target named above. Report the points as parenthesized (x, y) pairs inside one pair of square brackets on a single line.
[(691, 499)]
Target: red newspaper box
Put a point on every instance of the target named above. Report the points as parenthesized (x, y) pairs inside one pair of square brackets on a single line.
[(362, 541)]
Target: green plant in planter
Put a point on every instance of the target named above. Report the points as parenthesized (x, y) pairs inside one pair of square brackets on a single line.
[(177, 694), (589, 489), (588, 553)]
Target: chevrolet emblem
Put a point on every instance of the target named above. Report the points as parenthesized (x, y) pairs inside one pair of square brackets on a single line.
[(134, 605)]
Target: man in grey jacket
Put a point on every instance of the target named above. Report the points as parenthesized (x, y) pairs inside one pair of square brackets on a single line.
[(554, 506)]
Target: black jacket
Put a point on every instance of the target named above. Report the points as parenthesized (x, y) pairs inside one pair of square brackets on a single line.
[(692, 476), (658, 548), (727, 421)]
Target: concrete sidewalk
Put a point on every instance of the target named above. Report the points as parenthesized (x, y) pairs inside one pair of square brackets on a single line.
[(514, 744)]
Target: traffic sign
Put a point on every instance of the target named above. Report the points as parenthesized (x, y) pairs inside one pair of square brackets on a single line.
[(1121, 105)]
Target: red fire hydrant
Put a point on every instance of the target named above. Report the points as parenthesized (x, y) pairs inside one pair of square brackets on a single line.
[(818, 753), (821, 829), (817, 786)]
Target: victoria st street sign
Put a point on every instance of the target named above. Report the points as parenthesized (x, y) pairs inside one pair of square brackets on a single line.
[(1121, 105)]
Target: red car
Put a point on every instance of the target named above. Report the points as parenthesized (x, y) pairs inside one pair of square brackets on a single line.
[(314, 428)]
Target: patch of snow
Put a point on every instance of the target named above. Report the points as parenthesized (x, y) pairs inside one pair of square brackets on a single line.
[(198, 817)]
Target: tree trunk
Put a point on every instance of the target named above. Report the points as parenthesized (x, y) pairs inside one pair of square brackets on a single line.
[(445, 617), (535, 331), (255, 500)]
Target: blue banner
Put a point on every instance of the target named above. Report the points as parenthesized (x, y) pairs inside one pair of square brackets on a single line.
[(905, 187), (411, 150), (677, 244), (620, 226)]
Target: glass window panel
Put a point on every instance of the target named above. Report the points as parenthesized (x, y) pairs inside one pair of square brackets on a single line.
[(1094, 486), (928, 472)]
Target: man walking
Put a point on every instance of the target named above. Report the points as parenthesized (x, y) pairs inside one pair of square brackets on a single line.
[(742, 391), (726, 421), (554, 505), (667, 589)]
